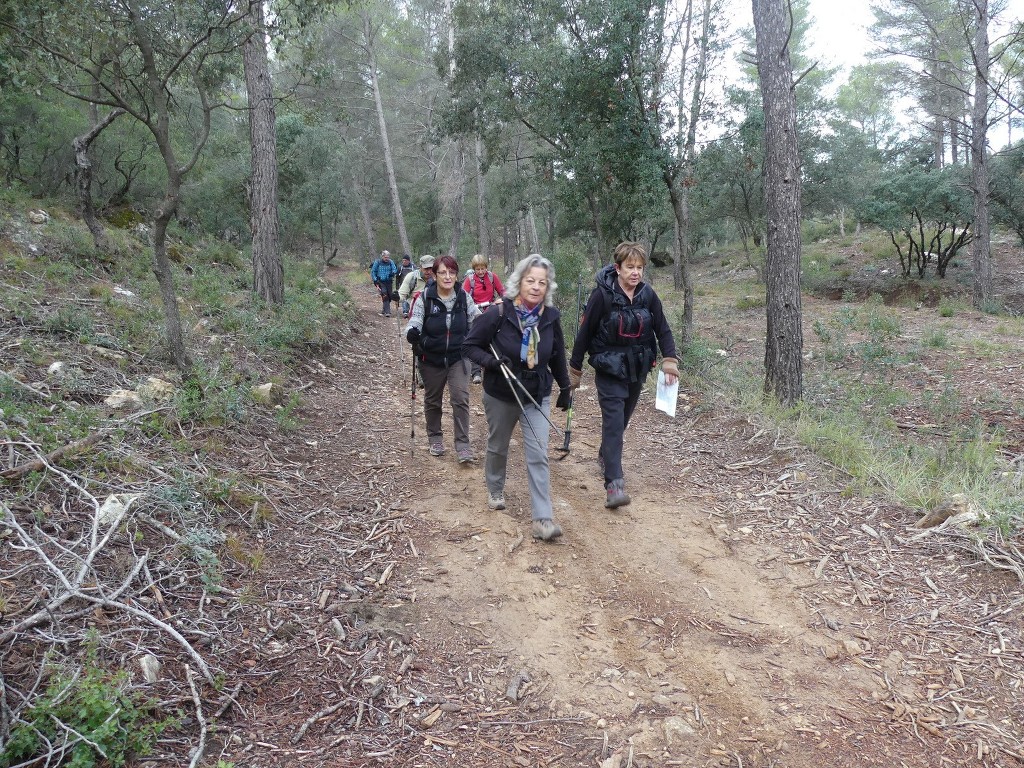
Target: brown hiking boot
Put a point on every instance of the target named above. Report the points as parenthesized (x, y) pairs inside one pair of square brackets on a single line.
[(617, 496)]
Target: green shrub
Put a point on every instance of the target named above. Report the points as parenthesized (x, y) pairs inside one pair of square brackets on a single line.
[(750, 302), (946, 309), (70, 241), (70, 322), (210, 396), (935, 338), (96, 711)]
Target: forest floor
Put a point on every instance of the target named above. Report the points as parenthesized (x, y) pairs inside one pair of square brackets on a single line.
[(745, 610)]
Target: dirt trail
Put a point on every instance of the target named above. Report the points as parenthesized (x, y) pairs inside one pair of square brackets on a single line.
[(734, 614)]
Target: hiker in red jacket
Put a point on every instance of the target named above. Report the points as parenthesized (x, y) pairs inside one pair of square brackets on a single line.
[(484, 289)]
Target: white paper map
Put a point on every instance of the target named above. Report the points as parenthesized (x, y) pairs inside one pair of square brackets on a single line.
[(667, 394)]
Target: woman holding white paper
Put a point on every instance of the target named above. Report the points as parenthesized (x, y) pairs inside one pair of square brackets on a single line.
[(623, 328)]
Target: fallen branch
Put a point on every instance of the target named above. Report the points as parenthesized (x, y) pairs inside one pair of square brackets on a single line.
[(201, 746), (43, 462)]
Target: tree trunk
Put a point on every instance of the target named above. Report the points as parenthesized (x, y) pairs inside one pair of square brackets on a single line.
[(396, 202), (165, 277), (483, 233), (682, 276), (459, 198), (598, 233), (369, 236), (679, 192), (981, 246), (531, 232), (505, 262), (83, 176), (784, 339), (264, 221)]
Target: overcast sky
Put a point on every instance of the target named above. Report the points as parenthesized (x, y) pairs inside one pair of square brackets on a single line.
[(839, 34)]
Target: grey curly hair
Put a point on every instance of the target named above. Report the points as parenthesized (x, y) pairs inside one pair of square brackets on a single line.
[(524, 266)]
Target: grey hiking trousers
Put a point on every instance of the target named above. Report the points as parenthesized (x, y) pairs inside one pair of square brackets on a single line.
[(502, 417)]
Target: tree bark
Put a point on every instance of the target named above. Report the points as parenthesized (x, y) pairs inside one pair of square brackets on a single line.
[(264, 220), (159, 124), (981, 246), (531, 232), (459, 198), (483, 233), (83, 176), (366, 219), (784, 338), (396, 201)]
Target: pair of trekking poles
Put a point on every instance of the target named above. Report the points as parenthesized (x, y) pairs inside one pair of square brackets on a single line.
[(513, 381)]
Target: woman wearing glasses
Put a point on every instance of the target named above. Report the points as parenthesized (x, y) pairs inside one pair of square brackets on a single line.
[(438, 324), (520, 340)]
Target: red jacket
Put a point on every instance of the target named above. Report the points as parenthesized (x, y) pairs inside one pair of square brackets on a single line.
[(486, 291)]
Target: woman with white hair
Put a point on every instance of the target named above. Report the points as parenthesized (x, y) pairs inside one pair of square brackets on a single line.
[(522, 332)]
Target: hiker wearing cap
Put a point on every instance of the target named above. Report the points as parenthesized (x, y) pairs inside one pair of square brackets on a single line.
[(404, 270), (383, 274), (416, 281), (622, 329), (523, 332), (484, 288), (438, 324)]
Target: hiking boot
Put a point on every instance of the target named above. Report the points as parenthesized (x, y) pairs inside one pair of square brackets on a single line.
[(465, 455), (496, 500), (437, 449), (477, 378), (545, 530), (617, 496)]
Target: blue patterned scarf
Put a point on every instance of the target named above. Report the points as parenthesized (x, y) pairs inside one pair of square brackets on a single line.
[(528, 319)]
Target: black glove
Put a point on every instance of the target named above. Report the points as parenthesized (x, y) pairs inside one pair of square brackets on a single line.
[(494, 363), (413, 336), (564, 399)]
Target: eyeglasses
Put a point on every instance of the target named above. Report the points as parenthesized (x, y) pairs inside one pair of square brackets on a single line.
[(444, 273)]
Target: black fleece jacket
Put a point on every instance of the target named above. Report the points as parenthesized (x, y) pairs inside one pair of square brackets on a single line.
[(500, 327)]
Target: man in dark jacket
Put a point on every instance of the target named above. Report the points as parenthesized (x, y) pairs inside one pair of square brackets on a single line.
[(404, 269), (622, 328), (383, 274)]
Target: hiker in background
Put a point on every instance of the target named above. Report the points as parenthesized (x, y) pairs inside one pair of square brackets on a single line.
[(438, 324), (484, 288), (622, 328), (404, 270), (525, 332), (415, 282), (383, 274)]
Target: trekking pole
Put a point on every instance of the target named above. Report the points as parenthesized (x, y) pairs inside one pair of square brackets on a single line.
[(507, 373), (511, 377), (412, 406), (572, 394)]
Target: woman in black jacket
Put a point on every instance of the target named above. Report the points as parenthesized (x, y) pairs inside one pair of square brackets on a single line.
[(622, 329), (438, 324), (522, 332)]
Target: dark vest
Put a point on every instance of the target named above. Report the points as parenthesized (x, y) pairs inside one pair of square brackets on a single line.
[(625, 343), (441, 341)]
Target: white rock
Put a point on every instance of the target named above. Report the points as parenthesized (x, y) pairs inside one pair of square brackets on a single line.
[(675, 728), (155, 388), (123, 398), (114, 507), (57, 368), (150, 665), (38, 216), (110, 354), (268, 394)]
